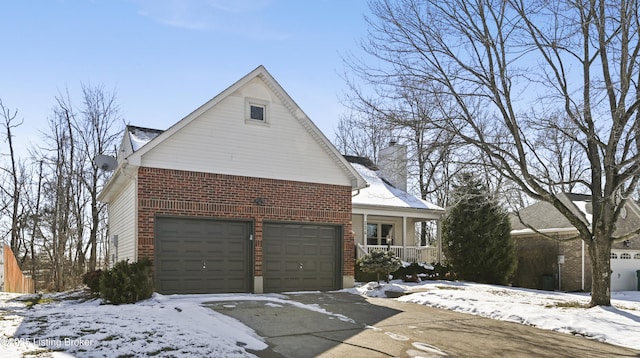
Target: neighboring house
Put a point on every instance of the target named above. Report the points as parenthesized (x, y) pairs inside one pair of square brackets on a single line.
[(245, 194), (564, 263), (385, 216)]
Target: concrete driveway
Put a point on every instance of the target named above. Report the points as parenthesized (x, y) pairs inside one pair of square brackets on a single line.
[(379, 327)]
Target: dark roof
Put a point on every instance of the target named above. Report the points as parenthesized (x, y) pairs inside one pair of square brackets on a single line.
[(543, 215), (132, 128), (578, 197), (368, 163), (540, 215)]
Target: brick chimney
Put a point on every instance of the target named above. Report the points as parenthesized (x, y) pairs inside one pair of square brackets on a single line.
[(393, 164)]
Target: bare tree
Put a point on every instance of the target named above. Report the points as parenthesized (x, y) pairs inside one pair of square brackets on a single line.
[(95, 131), (68, 218), (14, 190), (504, 63)]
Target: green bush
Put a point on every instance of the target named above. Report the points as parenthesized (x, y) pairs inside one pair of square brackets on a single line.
[(127, 282), (415, 271), (92, 280), (476, 234), (379, 262)]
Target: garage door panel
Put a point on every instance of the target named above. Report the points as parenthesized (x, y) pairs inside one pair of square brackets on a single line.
[(290, 250), (169, 285), (287, 245), (202, 255), (624, 264), (234, 247), (190, 246)]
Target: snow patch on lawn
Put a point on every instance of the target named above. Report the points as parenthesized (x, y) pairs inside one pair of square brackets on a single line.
[(556, 311), (66, 325)]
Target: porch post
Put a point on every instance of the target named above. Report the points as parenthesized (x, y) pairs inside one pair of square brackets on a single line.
[(404, 237), (364, 231), (439, 239)]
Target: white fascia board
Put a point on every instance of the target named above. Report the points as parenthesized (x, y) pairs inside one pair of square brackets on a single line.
[(397, 212), (563, 230)]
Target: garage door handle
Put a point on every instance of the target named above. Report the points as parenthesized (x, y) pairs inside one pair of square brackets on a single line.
[(300, 266), (204, 264)]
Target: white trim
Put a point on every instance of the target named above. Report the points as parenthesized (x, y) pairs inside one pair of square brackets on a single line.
[(296, 112), (397, 212), (252, 102), (528, 231), (404, 236), (582, 263)]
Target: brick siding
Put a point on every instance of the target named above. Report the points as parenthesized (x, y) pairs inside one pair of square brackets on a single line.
[(572, 268), (538, 256), (185, 193)]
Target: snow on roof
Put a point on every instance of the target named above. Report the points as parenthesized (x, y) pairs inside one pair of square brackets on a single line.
[(379, 192), (582, 206), (140, 136), (547, 230)]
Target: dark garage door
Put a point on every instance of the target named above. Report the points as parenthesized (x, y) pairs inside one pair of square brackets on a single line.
[(301, 257), (202, 255)]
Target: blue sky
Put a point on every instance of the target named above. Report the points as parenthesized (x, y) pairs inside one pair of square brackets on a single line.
[(165, 58)]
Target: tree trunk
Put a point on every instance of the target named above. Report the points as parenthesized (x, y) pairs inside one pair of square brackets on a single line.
[(600, 253)]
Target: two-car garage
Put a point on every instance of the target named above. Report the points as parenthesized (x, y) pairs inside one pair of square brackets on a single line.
[(205, 255)]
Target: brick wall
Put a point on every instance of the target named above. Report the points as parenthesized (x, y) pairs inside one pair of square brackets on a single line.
[(185, 193), (572, 268), (538, 256)]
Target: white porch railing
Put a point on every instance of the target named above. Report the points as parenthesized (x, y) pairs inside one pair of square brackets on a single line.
[(426, 254)]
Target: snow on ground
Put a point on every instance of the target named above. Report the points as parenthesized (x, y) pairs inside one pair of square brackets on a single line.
[(556, 311), (160, 326), (66, 325)]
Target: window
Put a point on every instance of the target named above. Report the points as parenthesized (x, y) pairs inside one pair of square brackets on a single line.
[(379, 234), (256, 112), (614, 256), (625, 256), (636, 257)]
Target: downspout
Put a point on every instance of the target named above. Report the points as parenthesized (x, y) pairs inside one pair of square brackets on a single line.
[(582, 254)]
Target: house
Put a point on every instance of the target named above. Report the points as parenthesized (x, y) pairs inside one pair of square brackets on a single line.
[(245, 194), (564, 263), (386, 217)]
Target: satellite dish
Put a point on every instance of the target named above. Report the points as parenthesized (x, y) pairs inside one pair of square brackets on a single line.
[(105, 162)]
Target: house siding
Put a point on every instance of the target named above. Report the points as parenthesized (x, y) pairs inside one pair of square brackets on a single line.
[(572, 268), (173, 192), (122, 222), (281, 148), (538, 257)]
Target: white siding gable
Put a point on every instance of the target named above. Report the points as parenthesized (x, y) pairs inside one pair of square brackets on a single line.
[(122, 222), (223, 140)]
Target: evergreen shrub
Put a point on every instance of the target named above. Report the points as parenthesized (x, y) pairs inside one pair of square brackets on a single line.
[(416, 272), (476, 234), (127, 282), (380, 262)]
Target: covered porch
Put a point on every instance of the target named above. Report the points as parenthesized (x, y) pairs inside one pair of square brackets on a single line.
[(400, 231), (385, 216)]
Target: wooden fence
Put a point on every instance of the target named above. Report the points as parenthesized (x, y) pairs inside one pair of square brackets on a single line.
[(14, 279)]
